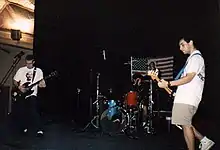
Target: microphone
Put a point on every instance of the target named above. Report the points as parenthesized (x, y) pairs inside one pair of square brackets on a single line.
[(19, 55), (128, 63), (103, 53)]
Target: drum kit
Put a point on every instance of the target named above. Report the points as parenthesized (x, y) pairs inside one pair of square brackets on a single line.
[(131, 112), (124, 115)]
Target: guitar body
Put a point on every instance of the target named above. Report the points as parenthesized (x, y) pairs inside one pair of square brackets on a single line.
[(16, 93), (25, 85)]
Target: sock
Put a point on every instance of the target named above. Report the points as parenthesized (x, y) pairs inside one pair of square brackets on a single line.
[(204, 139)]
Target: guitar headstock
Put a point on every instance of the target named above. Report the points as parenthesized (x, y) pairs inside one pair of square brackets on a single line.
[(52, 74), (152, 71), (153, 74)]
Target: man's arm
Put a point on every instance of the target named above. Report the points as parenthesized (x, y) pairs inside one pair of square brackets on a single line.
[(184, 80), (17, 78), (192, 69), (42, 83), (16, 83), (20, 87)]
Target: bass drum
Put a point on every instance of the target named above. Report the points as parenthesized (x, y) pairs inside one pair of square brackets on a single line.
[(113, 120)]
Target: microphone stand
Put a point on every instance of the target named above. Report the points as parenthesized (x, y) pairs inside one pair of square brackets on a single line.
[(5, 78), (96, 117), (9, 72), (4, 50)]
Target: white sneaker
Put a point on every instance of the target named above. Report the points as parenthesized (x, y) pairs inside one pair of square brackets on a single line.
[(25, 130), (40, 133), (206, 144)]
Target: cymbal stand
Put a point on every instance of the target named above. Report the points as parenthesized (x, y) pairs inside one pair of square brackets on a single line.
[(150, 129), (97, 100), (95, 118)]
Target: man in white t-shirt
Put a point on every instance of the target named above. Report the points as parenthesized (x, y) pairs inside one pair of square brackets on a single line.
[(189, 94), (28, 105)]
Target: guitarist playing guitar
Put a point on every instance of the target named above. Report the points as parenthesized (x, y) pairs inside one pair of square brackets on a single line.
[(190, 84), (28, 110)]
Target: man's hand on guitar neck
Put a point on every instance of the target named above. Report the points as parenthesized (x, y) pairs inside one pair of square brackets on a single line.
[(42, 84), (163, 83)]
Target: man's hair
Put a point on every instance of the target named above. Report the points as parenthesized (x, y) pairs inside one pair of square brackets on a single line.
[(188, 39), (152, 63), (29, 57)]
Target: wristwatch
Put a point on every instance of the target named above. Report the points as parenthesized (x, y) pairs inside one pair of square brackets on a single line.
[(168, 83)]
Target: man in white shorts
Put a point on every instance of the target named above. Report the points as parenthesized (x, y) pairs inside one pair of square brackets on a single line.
[(190, 84)]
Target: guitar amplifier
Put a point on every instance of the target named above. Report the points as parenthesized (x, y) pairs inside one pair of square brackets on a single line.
[(4, 102)]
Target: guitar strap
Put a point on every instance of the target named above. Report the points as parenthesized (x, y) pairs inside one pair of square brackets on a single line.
[(34, 73), (182, 70)]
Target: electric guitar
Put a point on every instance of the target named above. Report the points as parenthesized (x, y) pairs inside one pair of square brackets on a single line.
[(154, 76), (16, 93)]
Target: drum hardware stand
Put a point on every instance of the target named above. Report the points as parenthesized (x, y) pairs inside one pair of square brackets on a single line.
[(74, 118), (95, 118), (78, 97), (150, 129), (131, 124), (90, 92)]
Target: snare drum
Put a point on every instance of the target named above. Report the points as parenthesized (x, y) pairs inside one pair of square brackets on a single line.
[(131, 99), (109, 104)]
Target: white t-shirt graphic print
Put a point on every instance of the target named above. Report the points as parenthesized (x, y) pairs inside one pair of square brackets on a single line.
[(191, 93), (24, 75)]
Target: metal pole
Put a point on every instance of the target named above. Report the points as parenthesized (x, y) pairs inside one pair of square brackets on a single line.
[(90, 92), (97, 100)]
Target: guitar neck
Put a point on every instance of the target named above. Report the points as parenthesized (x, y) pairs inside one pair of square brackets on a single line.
[(32, 85), (45, 78)]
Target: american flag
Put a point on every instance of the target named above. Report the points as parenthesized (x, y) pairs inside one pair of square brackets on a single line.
[(165, 66)]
